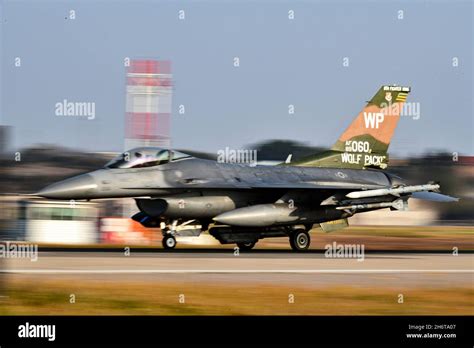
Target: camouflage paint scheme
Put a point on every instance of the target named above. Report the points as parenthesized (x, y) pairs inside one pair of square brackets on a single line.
[(371, 132)]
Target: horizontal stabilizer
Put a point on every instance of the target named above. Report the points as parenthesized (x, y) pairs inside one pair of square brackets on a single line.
[(434, 196)]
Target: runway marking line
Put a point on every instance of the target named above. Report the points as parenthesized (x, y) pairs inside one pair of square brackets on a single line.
[(184, 271)]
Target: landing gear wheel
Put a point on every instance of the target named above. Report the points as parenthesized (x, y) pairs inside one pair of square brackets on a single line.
[(246, 246), (300, 240), (169, 242)]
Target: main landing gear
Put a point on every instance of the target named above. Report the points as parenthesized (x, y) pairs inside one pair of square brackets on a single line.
[(246, 245), (300, 240)]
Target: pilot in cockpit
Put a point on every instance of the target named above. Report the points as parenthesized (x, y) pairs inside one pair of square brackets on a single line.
[(145, 157)]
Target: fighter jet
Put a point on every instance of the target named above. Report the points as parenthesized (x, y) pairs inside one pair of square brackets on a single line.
[(242, 204)]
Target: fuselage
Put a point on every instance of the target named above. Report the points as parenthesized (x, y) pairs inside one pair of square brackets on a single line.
[(199, 175), (201, 189)]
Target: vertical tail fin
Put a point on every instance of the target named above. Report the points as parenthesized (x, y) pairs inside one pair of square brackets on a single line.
[(365, 142)]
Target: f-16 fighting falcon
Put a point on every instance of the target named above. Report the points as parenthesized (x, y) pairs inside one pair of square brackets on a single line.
[(242, 204)]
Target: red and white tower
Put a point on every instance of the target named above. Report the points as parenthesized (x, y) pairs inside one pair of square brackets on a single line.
[(148, 105)]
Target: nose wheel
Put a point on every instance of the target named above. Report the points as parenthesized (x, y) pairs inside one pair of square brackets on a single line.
[(169, 242)]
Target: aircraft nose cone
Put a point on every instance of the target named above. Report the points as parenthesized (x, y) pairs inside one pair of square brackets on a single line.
[(78, 187)]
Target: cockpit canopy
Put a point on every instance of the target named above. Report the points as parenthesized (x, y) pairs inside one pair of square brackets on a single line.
[(142, 157)]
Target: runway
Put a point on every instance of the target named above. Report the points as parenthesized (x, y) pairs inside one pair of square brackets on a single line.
[(270, 266), (216, 281), (227, 261)]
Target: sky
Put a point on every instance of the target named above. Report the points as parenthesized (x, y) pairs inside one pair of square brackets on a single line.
[(283, 61)]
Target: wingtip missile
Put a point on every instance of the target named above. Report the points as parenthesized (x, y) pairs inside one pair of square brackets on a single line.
[(392, 191)]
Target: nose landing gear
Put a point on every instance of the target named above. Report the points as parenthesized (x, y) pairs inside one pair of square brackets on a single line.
[(169, 240)]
